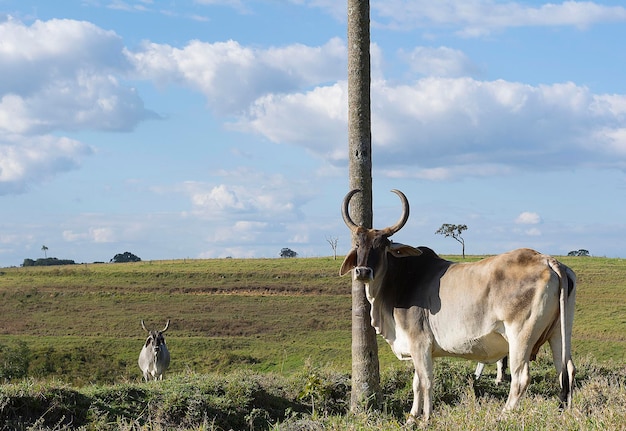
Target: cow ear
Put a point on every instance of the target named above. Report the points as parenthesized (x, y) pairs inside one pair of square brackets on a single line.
[(403, 250), (348, 263)]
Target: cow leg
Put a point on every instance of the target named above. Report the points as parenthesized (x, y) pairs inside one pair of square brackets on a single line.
[(422, 385), (479, 370), (519, 359), (499, 374), (501, 364), (416, 408)]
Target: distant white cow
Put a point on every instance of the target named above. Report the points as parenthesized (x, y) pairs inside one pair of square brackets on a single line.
[(154, 357)]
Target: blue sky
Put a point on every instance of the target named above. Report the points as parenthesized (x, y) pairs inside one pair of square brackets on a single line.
[(214, 128)]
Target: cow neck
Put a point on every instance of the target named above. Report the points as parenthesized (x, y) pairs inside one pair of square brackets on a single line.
[(381, 302)]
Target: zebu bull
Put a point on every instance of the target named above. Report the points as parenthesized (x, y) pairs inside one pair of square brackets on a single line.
[(426, 307), (154, 358)]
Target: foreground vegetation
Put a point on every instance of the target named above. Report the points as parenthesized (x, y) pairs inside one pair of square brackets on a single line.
[(314, 399), (261, 344)]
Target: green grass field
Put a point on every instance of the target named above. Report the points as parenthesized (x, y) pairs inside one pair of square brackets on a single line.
[(81, 326), (262, 314)]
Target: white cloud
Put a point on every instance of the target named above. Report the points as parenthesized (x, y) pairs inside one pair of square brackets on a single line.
[(247, 197), (92, 235), (481, 17), (615, 140), (56, 53), (36, 159), (232, 76), (533, 232), (241, 231), (299, 238), (102, 234), (235, 4), (528, 218), (448, 173), (58, 75), (245, 208), (296, 95), (316, 120), (217, 198), (441, 61), (446, 127), (94, 102), (336, 9)]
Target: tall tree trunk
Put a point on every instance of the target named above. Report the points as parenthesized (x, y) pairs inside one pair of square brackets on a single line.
[(365, 369)]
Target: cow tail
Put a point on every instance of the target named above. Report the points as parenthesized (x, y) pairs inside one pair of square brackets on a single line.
[(564, 283)]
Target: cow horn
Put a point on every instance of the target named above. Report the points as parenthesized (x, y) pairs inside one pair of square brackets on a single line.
[(144, 326), (345, 212), (167, 325), (405, 214)]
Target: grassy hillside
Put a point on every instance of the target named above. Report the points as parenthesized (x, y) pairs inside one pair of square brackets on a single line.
[(81, 322), (288, 319)]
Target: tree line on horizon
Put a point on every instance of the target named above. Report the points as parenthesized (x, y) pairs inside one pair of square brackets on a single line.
[(52, 261), (448, 230)]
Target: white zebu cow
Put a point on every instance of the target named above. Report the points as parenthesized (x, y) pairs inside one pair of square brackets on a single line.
[(426, 307), (154, 358)]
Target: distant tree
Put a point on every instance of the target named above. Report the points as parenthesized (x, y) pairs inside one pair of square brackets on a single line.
[(287, 252), (125, 257), (454, 231), (51, 261), (333, 244), (48, 261), (45, 250), (581, 252)]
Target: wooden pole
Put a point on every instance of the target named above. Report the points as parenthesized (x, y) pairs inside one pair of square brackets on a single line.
[(365, 369)]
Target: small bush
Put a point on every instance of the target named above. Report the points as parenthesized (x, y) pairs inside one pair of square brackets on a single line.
[(326, 392), (14, 360), (48, 261)]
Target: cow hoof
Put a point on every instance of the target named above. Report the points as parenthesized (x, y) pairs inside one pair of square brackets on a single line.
[(504, 414), (412, 422)]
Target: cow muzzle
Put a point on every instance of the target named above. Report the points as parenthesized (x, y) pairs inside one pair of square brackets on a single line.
[(363, 273)]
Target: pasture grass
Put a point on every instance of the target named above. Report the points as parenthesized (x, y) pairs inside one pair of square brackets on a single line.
[(305, 276), (262, 323), (314, 398), (81, 322)]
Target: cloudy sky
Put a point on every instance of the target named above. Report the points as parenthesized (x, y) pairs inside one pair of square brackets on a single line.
[(213, 128)]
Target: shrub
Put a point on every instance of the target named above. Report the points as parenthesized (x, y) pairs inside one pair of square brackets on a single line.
[(125, 257), (48, 261), (14, 360)]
